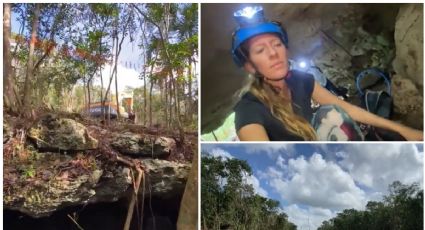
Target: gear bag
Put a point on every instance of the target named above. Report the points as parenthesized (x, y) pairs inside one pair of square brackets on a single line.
[(378, 102)]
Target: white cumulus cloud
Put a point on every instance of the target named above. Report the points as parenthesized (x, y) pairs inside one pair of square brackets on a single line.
[(218, 152), (317, 183), (280, 161), (377, 166), (271, 149)]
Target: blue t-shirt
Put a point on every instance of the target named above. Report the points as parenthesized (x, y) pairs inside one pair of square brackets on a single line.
[(250, 110)]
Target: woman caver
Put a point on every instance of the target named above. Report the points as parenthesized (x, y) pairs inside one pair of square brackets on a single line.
[(278, 105)]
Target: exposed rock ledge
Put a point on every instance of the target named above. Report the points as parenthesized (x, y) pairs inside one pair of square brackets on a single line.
[(38, 183)]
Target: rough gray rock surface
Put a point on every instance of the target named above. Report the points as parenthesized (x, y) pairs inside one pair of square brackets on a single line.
[(408, 101), (50, 181), (409, 43), (61, 134), (165, 177), (39, 182), (76, 180), (143, 146)]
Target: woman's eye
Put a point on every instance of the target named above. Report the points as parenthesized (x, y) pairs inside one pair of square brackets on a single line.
[(277, 44), (259, 50)]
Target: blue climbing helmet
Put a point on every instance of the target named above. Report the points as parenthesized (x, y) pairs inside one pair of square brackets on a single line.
[(251, 22)]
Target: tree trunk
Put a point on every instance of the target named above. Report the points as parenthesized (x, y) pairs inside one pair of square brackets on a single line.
[(117, 53), (150, 104), (173, 99), (144, 96), (161, 114), (86, 106), (9, 98), (100, 69), (116, 93), (103, 100), (188, 106), (163, 34), (30, 65), (111, 78), (101, 84), (144, 41), (88, 95), (173, 96), (166, 104), (150, 91), (177, 99)]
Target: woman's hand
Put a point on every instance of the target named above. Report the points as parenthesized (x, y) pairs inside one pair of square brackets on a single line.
[(412, 134)]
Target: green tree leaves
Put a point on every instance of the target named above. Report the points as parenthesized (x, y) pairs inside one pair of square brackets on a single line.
[(228, 201), (402, 209)]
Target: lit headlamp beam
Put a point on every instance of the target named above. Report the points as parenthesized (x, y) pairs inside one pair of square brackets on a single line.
[(248, 11), (302, 64)]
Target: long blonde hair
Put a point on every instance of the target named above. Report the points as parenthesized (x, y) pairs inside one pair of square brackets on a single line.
[(280, 106)]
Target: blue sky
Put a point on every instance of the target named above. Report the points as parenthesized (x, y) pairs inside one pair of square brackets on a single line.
[(313, 182)]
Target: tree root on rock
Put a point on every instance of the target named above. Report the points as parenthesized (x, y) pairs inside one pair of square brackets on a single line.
[(136, 185)]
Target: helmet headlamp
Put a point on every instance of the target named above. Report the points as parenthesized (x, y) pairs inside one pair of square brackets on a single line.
[(250, 15), (252, 22)]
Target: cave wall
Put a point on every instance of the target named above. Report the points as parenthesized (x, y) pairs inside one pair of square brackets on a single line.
[(409, 43), (407, 82)]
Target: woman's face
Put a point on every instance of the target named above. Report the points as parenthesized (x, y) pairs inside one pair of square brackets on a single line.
[(268, 54)]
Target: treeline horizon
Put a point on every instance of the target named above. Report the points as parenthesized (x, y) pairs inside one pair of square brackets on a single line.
[(401, 209)]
